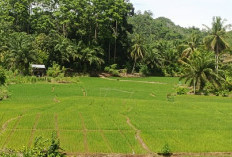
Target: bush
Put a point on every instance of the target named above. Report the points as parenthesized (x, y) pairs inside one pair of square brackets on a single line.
[(42, 148), (217, 93), (182, 90), (225, 93), (144, 70), (112, 69), (209, 88), (2, 76), (166, 151), (55, 71), (33, 79), (4, 93)]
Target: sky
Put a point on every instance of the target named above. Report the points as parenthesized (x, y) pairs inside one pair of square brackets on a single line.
[(187, 13)]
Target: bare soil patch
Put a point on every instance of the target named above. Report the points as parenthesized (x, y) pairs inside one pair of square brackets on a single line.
[(138, 137)]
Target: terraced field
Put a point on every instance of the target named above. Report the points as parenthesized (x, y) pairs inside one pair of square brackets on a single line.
[(128, 116)]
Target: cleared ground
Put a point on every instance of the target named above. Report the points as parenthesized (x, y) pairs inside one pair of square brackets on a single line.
[(129, 116)]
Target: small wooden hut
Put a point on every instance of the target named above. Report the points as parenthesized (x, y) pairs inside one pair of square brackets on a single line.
[(38, 70)]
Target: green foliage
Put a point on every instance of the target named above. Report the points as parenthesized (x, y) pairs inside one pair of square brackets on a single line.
[(55, 71), (112, 69), (4, 93), (181, 90), (198, 71), (225, 93), (216, 40), (41, 148), (2, 76), (18, 52), (144, 70), (166, 151)]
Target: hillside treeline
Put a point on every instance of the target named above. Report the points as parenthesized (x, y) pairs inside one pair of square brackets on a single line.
[(89, 36), (83, 35)]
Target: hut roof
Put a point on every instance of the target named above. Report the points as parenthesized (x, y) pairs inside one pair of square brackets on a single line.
[(37, 66)]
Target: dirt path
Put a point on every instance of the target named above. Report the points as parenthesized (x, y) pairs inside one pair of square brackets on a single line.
[(4, 126), (210, 154), (107, 155), (120, 131), (84, 133), (138, 137), (149, 82), (103, 136), (34, 129), (123, 135), (12, 131)]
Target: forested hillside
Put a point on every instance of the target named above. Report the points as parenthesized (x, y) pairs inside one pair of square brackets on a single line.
[(88, 35), (84, 35)]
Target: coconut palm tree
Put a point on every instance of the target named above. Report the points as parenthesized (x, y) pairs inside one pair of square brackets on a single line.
[(138, 49), (198, 71), (191, 46), (216, 40), (91, 56), (19, 52)]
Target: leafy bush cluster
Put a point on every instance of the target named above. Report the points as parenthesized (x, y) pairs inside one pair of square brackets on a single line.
[(144, 70), (165, 151), (112, 69), (3, 89), (2, 76), (56, 71), (4, 93), (41, 148), (181, 90), (55, 75)]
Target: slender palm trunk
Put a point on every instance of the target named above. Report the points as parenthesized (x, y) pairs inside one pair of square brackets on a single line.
[(95, 32), (194, 86), (133, 69), (217, 59), (115, 40), (109, 53)]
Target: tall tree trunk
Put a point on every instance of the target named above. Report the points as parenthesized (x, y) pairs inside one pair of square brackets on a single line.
[(133, 69), (115, 40), (95, 34), (217, 59), (64, 30), (109, 52), (194, 86)]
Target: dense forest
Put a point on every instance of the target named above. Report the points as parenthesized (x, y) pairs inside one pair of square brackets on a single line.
[(86, 36)]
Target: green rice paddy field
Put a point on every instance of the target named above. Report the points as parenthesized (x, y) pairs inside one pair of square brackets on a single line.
[(130, 115)]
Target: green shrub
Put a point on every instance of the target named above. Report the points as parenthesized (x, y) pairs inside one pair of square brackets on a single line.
[(166, 151), (4, 93), (217, 93), (2, 76), (33, 79), (225, 93), (55, 70), (112, 69), (180, 90), (41, 148), (144, 70)]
